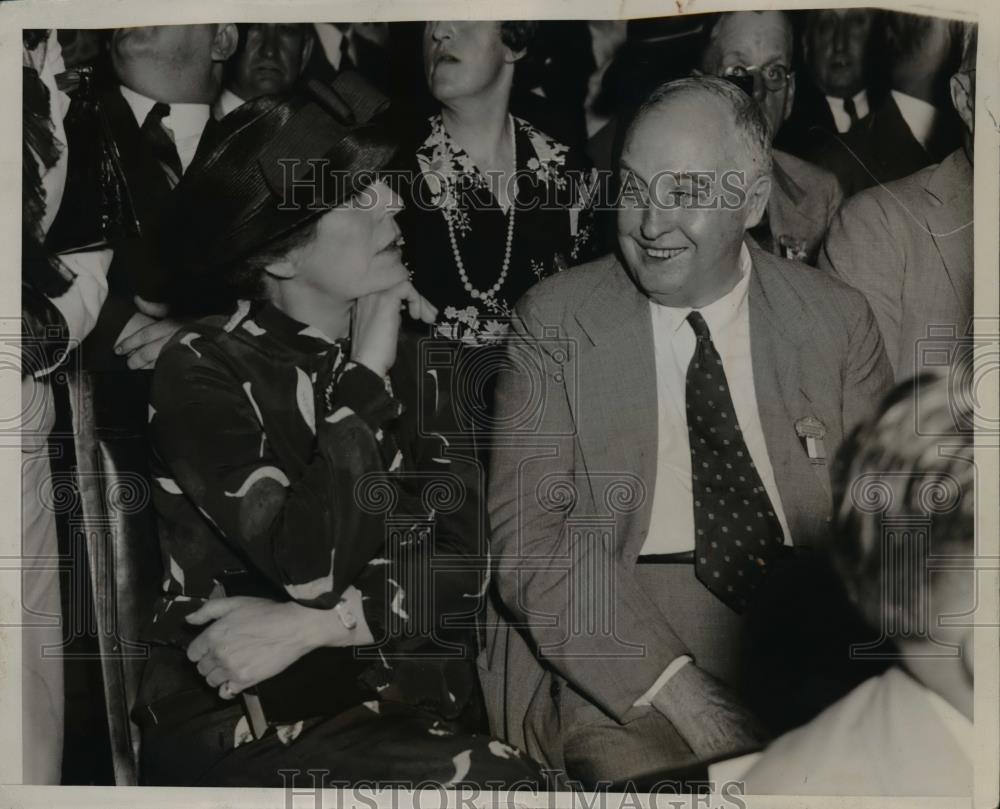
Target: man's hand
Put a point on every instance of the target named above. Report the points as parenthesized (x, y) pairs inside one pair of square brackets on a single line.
[(146, 333), (253, 639), (710, 717)]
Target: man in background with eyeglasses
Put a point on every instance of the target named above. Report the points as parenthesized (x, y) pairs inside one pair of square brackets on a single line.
[(754, 49)]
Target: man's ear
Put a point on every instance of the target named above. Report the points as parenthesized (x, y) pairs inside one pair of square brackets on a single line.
[(307, 47), (790, 98), (227, 37), (963, 99), (514, 56), (757, 196), (281, 270)]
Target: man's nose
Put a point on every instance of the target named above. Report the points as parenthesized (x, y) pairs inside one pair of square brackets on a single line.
[(269, 40), (656, 220), (840, 37), (759, 88)]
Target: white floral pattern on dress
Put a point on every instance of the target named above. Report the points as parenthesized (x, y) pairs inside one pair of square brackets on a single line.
[(448, 173)]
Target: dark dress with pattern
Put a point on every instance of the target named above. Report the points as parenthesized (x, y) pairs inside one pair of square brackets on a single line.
[(553, 227), (276, 457)]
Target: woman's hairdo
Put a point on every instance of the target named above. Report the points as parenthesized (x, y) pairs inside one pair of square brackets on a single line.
[(903, 489), (749, 122), (518, 35)]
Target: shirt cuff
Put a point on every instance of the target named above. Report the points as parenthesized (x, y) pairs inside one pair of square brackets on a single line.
[(675, 665)]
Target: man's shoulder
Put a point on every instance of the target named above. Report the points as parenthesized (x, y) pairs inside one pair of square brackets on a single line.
[(882, 738), (802, 170), (898, 199), (206, 340), (565, 291), (810, 286), (813, 758)]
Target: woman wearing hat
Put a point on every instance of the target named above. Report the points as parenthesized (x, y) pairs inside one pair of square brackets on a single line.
[(323, 550)]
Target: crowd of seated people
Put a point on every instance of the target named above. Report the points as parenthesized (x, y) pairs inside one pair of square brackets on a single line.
[(503, 386)]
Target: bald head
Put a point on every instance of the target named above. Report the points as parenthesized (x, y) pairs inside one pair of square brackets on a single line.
[(742, 119)]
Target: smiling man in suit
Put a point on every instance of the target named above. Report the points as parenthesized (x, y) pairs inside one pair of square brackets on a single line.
[(908, 245), (707, 382)]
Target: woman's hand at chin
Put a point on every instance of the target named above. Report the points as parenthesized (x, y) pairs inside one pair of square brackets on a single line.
[(250, 640), (375, 326)]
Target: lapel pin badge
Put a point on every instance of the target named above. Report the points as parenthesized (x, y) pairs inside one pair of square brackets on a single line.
[(813, 431), (793, 247)]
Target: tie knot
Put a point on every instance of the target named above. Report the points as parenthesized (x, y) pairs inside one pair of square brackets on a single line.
[(699, 326), (157, 114)]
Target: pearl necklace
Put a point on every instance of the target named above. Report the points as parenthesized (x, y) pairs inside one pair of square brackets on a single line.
[(478, 294)]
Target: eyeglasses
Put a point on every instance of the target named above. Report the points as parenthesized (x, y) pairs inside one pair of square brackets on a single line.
[(775, 77)]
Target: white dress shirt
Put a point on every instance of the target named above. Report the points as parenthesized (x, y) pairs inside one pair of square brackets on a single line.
[(330, 36), (671, 528), (225, 104), (920, 116), (185, 123), (840, 117)]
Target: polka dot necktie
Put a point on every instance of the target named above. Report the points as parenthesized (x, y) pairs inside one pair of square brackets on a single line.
[(737, 534)]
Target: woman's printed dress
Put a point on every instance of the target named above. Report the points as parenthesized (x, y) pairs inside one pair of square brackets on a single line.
[(553, 227), (275, 456)]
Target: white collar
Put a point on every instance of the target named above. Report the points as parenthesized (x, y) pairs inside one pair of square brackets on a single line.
[(227, 102), (185, 120), (919, 115), (840, 116), (720, 312), (330, 37)]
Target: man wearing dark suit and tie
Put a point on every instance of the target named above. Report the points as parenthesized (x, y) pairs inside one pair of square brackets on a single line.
[(755, 48), (269, 59), (167, 78), (352, 46), (908, 245), (689, 393), (865, 134)]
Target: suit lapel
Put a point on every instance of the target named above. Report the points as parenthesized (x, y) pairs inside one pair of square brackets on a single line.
[(146, 180), (616, 411), (776, 335), (949, 220), (789, 209)]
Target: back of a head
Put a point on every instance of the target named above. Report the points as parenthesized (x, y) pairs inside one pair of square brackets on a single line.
[(904, 490)]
